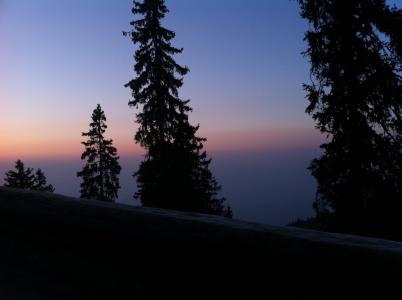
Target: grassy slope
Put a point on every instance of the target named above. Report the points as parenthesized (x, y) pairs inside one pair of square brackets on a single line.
[(55, 247)]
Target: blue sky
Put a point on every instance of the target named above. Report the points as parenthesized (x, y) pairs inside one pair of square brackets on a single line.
[(246, 67)]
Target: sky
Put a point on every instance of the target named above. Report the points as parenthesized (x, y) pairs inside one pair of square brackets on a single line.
[(58, 59)]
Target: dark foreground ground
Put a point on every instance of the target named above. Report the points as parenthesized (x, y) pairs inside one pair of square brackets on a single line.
[(55, 247)]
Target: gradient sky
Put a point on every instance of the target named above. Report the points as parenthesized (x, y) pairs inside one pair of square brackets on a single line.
[(58, 59)]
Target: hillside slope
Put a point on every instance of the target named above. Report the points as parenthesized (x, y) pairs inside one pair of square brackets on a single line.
[(56, 247)]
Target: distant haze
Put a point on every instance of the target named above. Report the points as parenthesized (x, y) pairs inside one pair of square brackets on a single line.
[(272, 187)]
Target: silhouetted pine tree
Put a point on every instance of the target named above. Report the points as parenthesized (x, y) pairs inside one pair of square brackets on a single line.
[(175, 173), (355, 98), (228, 212), (22, 178), (389, 21), (100, 179), (40, 182)]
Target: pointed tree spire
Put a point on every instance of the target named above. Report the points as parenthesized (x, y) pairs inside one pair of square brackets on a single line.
[(175, 173), (100, 179)]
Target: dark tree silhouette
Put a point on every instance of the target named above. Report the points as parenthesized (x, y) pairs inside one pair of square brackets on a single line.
[(23, 178), (100, 179), (228, 212), (40, 182), (355, 98), (175, 173)]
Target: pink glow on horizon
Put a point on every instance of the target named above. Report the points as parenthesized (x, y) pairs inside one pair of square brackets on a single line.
[(263, 139), (42, 147)]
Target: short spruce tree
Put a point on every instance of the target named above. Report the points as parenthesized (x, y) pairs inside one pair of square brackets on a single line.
[(100, 175), (40, 182), (23, 178)]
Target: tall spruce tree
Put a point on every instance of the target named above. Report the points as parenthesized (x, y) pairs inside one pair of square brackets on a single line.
[(24, 178), (100, 179), (175, 173), (356, 99)]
